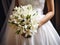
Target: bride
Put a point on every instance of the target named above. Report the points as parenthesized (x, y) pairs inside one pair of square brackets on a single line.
[(46, 33)]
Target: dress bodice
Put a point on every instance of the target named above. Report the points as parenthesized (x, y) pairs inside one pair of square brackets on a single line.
[(34, 3)]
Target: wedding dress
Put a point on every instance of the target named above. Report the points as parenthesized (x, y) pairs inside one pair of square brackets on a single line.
[(46, 34)]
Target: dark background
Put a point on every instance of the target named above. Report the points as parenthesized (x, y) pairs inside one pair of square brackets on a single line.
[(4, 8)]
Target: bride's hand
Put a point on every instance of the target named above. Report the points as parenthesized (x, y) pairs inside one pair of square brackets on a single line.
[(40, 24)]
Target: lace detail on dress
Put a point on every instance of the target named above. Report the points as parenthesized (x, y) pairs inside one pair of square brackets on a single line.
[(34, 3)]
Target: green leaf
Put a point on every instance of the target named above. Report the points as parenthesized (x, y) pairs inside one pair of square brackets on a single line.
[(18, 31), (28, 27), (16, 17), (28, 17), (22, 16)]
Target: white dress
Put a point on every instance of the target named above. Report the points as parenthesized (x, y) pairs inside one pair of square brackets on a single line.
[(46, 34)]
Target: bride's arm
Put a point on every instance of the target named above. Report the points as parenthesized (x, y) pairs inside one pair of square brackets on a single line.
[(50, 14)]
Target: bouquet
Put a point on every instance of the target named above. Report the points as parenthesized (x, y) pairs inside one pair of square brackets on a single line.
[(24, 17)]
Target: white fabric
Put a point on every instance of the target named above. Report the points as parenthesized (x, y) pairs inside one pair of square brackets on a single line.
[(34, 3), (46, 34)]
